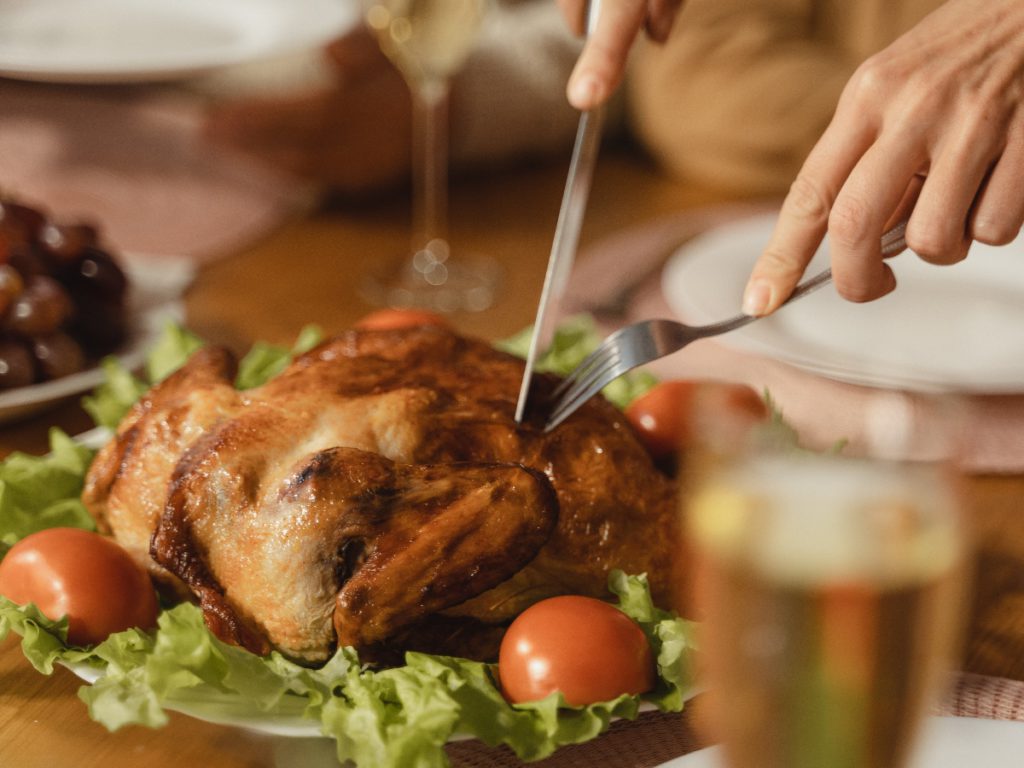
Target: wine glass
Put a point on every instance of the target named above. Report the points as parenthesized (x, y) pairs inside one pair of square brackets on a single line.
[(831, 591), (428, 41)]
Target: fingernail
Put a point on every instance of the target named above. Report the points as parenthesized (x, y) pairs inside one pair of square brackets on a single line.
[(584, 91), (659, 27), (756, 298)]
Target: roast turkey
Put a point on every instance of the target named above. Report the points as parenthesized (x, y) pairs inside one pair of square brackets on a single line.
[(377, 494)]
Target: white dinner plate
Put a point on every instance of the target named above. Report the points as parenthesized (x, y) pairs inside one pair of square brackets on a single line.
[(956, 328), (109, 41), (155, 289), (947, 742)]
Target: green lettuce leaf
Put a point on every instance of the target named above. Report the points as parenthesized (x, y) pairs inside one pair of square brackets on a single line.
[(43, 641), (670, 637), (38, 492), (174, 347), (391, 718), (575, 338), (110, 401), (265, 361)]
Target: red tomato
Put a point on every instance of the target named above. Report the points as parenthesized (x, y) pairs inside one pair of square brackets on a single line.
[(390, 319), (665, 416), (661, 416), (585, 648), (81, 575)]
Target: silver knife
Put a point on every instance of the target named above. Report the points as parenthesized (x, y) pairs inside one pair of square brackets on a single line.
[(567, 234)]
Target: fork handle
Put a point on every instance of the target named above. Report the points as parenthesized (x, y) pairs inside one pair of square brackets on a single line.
[(809, 286), (893, 242), (733, 323)]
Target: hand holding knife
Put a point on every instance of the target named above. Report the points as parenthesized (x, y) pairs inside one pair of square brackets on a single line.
[(567, 233)]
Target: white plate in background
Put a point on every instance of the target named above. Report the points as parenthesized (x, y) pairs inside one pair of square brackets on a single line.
[(117, 41), (947, 742), (957, 328)]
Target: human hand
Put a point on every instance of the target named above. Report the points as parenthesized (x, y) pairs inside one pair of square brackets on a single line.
[(601, 65), (352, 136), (932, 128)]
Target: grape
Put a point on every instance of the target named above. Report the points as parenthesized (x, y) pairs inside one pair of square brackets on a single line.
[(99, 325), (62, 297), (40, 309), (21, 218), (66, 243), (11, 285), (16, 367), (27, 260), (58, 355), (98, 275)]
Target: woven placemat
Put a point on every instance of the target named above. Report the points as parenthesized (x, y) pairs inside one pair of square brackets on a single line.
[(650, 740), (990, 698), (655, 738)]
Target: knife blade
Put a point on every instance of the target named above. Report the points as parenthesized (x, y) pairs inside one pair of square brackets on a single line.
[(567, 235)]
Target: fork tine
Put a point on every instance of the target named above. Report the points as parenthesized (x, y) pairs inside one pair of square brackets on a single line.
[(569, 406), (595, 372), (594, 358), (610, 344), (605, 364), (581, 393)]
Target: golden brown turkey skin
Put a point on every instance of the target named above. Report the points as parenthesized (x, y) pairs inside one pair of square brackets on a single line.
[(126, 487), (377, 486)]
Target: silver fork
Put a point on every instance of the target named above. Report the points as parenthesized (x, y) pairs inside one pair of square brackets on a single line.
[(649, 340)]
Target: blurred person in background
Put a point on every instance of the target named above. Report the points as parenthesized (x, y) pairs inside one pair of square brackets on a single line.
[(860, 111), (350, 127)]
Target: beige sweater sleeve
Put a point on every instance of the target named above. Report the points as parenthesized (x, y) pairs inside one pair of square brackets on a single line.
[(740, 92)]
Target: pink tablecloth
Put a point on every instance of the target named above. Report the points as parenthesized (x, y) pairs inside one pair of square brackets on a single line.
[(132, 160)]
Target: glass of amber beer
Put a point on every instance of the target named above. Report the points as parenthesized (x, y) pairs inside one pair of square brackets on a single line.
[(830, 588)]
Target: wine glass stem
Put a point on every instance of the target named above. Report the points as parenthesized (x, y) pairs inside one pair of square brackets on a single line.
[(430, 167)]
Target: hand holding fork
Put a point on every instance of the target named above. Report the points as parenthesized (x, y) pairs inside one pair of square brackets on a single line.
[(649, 340)]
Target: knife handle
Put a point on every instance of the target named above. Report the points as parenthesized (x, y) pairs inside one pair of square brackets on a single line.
[(591, 14)]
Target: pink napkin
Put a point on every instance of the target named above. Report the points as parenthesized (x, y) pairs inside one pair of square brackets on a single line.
[(822, 410), (131, 159)]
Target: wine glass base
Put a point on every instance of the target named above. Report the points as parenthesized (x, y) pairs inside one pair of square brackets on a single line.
[(467, 283)]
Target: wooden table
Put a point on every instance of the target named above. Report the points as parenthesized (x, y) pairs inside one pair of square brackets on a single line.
[(308, 271)]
